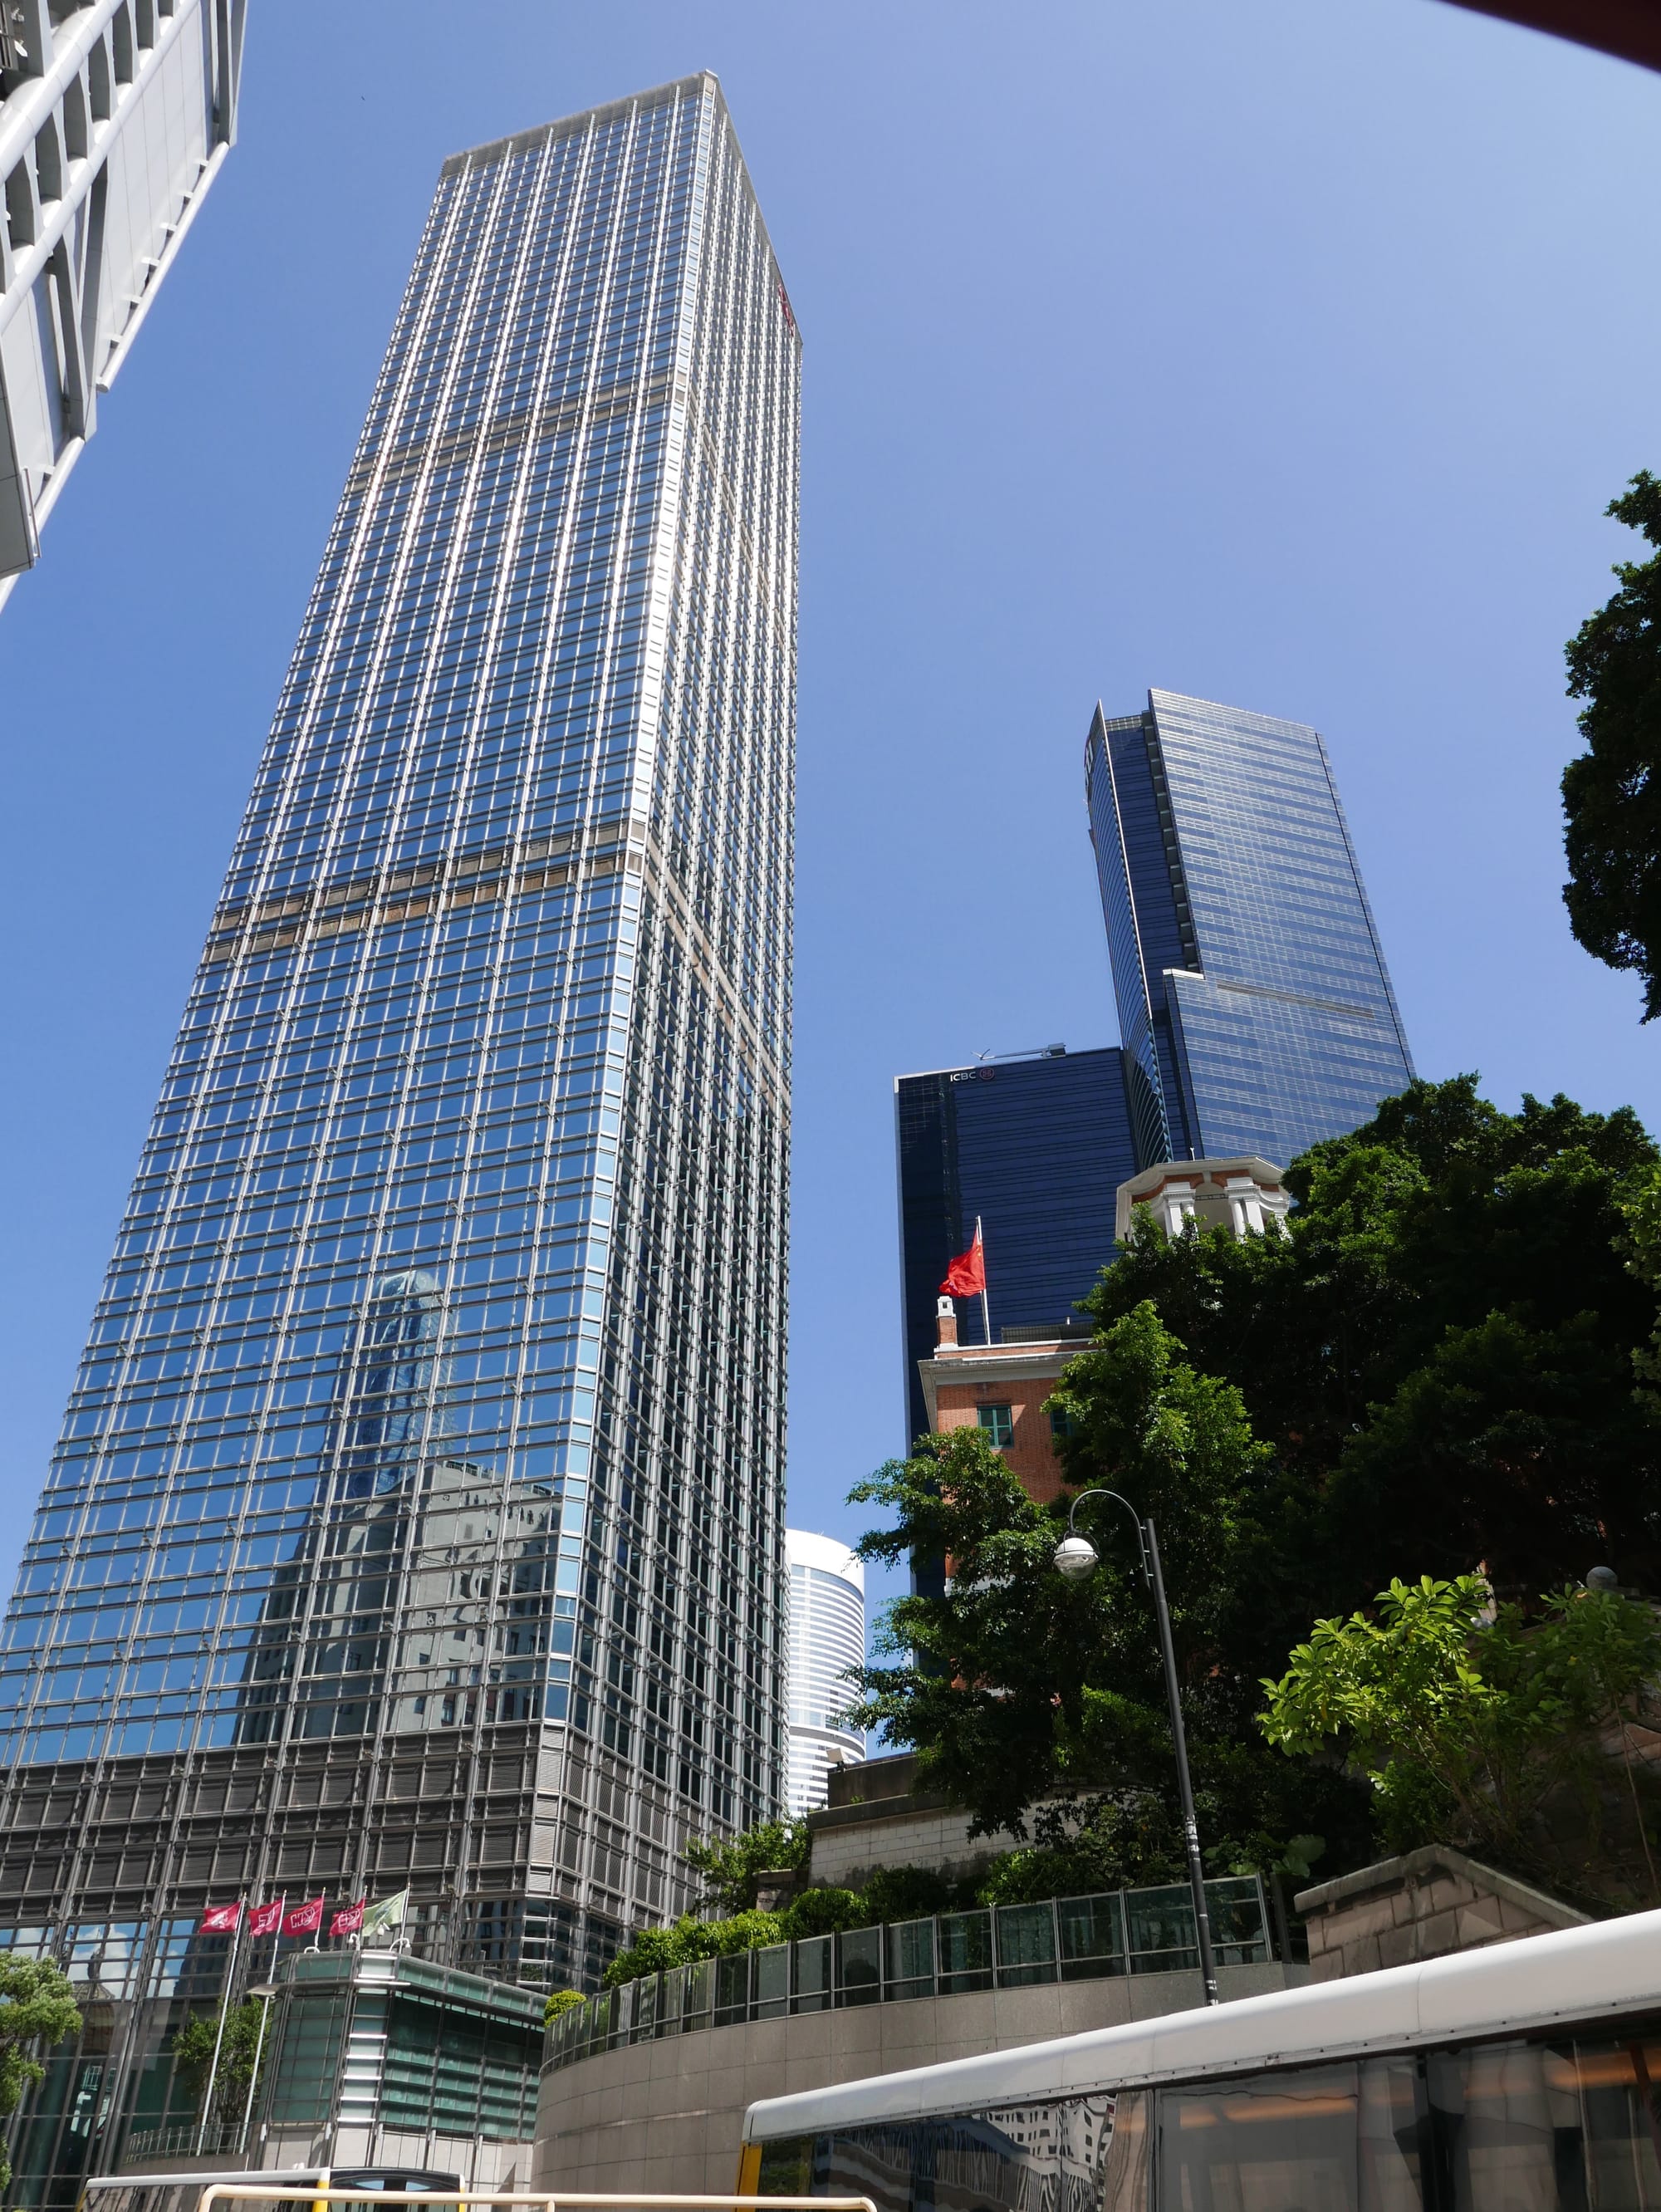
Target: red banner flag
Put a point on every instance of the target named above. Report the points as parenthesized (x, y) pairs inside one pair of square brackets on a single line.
[(221, 1919), (968, 1272), (265, 1919), (304, 1919), (350, 1919)]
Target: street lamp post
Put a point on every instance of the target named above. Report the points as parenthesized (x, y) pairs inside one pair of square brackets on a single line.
[(1075, 1558)]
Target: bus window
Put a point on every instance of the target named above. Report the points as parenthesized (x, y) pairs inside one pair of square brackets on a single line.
[(1021, 2158), (1504, 2126), (1310, 2139)]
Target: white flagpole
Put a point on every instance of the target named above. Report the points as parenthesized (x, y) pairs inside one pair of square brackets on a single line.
[(219, 2039), (253, 2078), (985, 1313)]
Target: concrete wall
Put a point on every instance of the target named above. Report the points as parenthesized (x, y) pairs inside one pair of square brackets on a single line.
[(1421, 1906), (668, 2114), (875, 1816)]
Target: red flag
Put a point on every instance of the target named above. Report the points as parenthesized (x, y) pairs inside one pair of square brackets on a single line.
[(349, 1920), (221, 1919), (265, 1919), (304, 1919), (968, 1272)]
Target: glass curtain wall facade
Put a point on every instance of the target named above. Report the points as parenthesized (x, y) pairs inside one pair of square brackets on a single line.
[(1035, 1149), (826, 1637), (1255, 1007), (417, 1517)]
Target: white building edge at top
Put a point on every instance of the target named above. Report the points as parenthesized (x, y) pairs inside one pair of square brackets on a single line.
[(115, 116)]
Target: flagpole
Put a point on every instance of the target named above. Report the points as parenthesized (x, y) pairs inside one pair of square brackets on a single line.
[(219, 2039), (253, 2077), (986, 1311)]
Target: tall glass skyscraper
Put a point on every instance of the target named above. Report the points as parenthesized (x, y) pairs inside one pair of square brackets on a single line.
[(417, 1518), (1254, 1003)]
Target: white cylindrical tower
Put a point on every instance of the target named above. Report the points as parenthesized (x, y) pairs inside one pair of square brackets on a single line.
[(826, 1637)]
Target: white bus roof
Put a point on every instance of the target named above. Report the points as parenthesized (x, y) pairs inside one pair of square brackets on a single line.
[(1574, 1974)]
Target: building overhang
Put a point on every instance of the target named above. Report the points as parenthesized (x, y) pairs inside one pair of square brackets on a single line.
[(1630, 29)]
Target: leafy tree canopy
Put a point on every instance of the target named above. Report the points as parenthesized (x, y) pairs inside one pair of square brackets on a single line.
[(1612, 792), (1475, 1727), (733, 1869), (1016, 1685), (36, 2009), (1448, 1360), (1439, 1353)]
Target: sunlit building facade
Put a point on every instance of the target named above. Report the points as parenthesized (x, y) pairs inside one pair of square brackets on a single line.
[(417, 1519), (827, 1638), (1255, 1007), (115, 118)]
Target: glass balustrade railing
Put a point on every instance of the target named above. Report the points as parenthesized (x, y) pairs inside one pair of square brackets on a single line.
[(1070, 1939)]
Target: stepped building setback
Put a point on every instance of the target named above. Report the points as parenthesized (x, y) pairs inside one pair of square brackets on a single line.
[(417, 1521)]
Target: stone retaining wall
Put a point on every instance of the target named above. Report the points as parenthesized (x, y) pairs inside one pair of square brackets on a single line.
[(1421, 1906)]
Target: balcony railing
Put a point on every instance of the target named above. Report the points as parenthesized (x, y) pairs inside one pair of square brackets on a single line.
[(1071, 1939), (180, 2140)]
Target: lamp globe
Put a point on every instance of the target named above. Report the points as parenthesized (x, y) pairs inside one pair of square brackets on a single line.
[(1075, 1558)]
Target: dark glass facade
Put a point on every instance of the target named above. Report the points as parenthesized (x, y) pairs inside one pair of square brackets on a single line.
[(1255, 1007), (1036, 1148), (417, 1517)]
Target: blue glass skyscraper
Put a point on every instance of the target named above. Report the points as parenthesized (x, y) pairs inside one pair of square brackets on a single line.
[(417, 1519), (1255, 1007)]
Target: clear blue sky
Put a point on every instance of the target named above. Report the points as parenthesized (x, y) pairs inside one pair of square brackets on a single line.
[(1274, 350)]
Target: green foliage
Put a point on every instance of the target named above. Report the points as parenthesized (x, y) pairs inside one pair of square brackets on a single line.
[(1439, 1354), (1476, 1727), (36, 2008), (731, 1870), (1612, 792), (560, 2002), (193, 2050), (826, 1911), (657, 1950), (1016, 1685), (909, 1893)]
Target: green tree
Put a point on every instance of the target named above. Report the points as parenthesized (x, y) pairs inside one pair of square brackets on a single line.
[(245, 2035), (1438, 1353), (1476, 1727), (36, 2008), (656, 1950), (560, 2001), (732, 1869), (1612, 792), (1016, 1685)]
